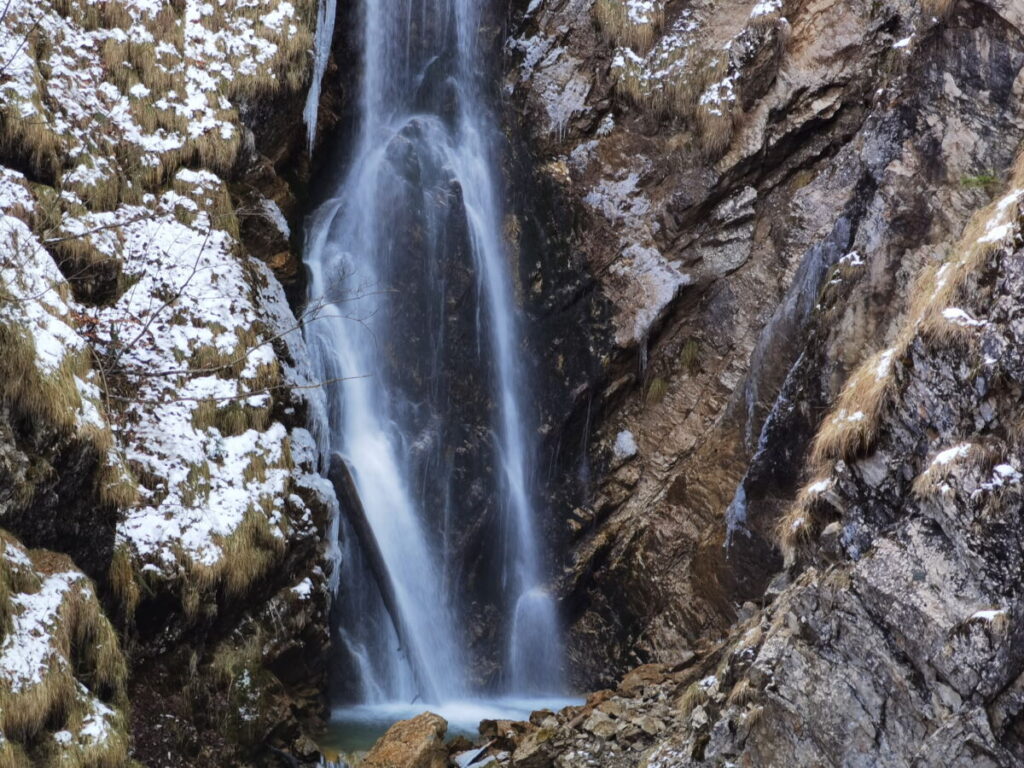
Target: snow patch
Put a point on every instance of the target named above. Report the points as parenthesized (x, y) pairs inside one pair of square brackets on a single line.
[(989, 615), (303, 589), (959, 317), (951, 455), (766, 8), (625, 445)]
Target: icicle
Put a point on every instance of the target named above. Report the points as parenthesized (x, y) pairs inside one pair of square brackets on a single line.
[(325, 14)]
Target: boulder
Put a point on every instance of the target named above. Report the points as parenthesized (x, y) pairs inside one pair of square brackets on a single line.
[(415, 743)]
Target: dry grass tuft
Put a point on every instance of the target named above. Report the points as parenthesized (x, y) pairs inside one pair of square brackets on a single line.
[(715, 124), (51, 397), (231, 417), (124, 581), (84, 647), (940, 288), (230, 661), (978, 456), (689, 357), (801, 523), (250, 552), (852, 427), (754, 716), (742, 693), (656, 391), (216, 202), (694, 696), (622, 29), (32, 138), (13, 755), (115, 484)]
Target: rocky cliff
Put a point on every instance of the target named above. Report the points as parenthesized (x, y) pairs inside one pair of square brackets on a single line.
[(805, 217), (756, 187)]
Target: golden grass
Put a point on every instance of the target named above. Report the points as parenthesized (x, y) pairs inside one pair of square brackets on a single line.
[(212, 151), (656, 391), (678, 96), (715, 123), (800, 524), (115, 484), (216, 202), (52, 397), (742, 693), (79, 752), (694, 696), (688, 95), (82, 636), (978, 456), (753, 717), (198, 482), (852, 427), (231, 417), (13, 755), (238, 669), (249, 553), (235, 416), (133, 61), (124, 581), (25, 714), (941, 286), (230, 660), (689, 357), (766, 20), (619, 28), (103, 191), (32, 137), (938, 287)]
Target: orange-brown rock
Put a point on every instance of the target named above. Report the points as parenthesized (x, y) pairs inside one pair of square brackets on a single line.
[(415, 743)]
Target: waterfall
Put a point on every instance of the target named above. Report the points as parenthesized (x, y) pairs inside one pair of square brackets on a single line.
[(410, 276)]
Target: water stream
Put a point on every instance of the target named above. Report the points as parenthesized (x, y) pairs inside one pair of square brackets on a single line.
[(410, 277)]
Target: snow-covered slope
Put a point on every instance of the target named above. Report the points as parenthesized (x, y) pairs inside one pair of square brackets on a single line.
[(142, 346)]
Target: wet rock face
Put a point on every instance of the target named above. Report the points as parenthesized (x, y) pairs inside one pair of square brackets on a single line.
[(748, 265)]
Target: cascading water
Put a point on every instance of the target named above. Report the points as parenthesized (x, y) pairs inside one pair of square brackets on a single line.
[(414, 235)]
